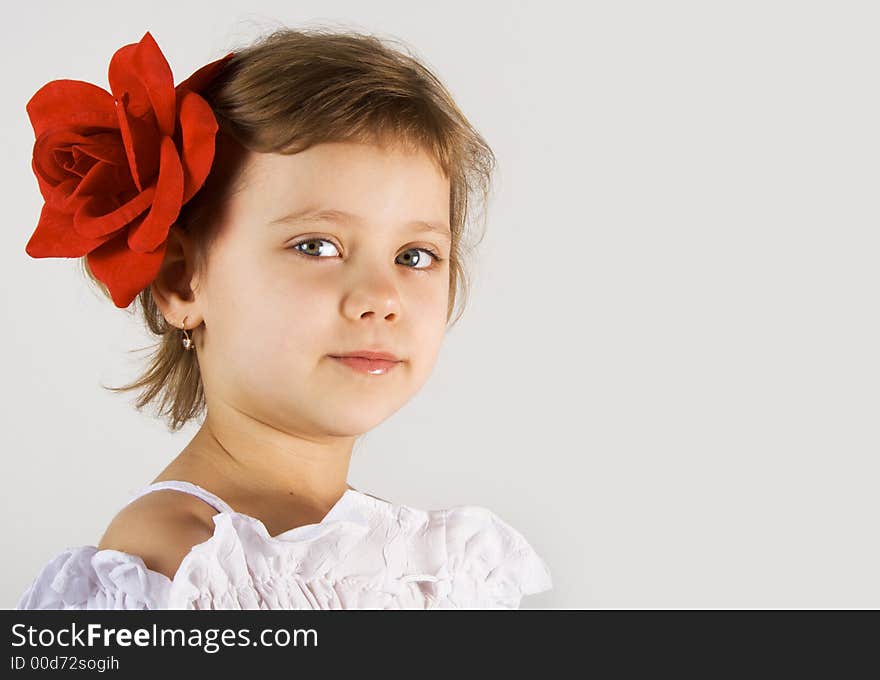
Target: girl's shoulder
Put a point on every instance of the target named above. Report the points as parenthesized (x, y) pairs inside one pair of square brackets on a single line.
[(161, 528), (136, 562)]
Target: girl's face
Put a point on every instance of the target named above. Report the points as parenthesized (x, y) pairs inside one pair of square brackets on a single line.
[(281, 295)]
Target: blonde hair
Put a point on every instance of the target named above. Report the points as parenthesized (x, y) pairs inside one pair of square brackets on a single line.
[(283, 93)]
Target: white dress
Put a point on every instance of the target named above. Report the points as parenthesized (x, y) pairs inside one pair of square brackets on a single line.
[(367, 553)]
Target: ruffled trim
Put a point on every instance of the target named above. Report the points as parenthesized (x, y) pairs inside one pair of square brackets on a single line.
[(242, 563), (88, 578), (493, 565), (368, 554)]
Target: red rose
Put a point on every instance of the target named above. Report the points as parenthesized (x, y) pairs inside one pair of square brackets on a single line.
[(115, 169)]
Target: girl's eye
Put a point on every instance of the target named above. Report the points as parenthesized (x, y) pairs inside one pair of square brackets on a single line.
[(429, 261), (312, 249)]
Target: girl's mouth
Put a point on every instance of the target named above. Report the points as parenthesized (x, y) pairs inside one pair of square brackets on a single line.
[(371, 366)]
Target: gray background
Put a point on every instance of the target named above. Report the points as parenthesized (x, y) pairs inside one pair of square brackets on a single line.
[(667, 378)]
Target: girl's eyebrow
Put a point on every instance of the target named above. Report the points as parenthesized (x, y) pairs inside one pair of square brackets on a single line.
[(335, 215)]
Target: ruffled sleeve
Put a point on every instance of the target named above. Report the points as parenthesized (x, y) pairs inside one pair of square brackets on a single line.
[(88, 578), (239, 567), (492, 565)]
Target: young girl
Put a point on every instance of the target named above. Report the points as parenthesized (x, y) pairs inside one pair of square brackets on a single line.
[(290, 220)]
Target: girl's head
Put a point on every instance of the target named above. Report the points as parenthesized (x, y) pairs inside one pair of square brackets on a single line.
[(342, 168)]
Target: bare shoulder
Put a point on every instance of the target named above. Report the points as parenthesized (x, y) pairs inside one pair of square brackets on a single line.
[(160, 527)]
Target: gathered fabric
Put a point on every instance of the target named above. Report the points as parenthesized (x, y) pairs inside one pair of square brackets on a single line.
[(367, 553)]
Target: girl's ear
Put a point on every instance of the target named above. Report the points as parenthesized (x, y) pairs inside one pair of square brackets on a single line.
[(174, 287)]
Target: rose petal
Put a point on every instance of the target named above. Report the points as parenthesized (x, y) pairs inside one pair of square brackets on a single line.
[(56, 237), (58, 196), (142, 84), (71, 104), (125, 272), (140, 138), (53, 146), (47, 189), (166, 204), (198, 129), (155, 73), (97, 217), (101, 180), (141, 70), (73, 200), (45, 160), (106, 146)]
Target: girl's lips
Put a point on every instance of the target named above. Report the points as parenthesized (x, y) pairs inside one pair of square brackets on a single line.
[(371, 366)]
